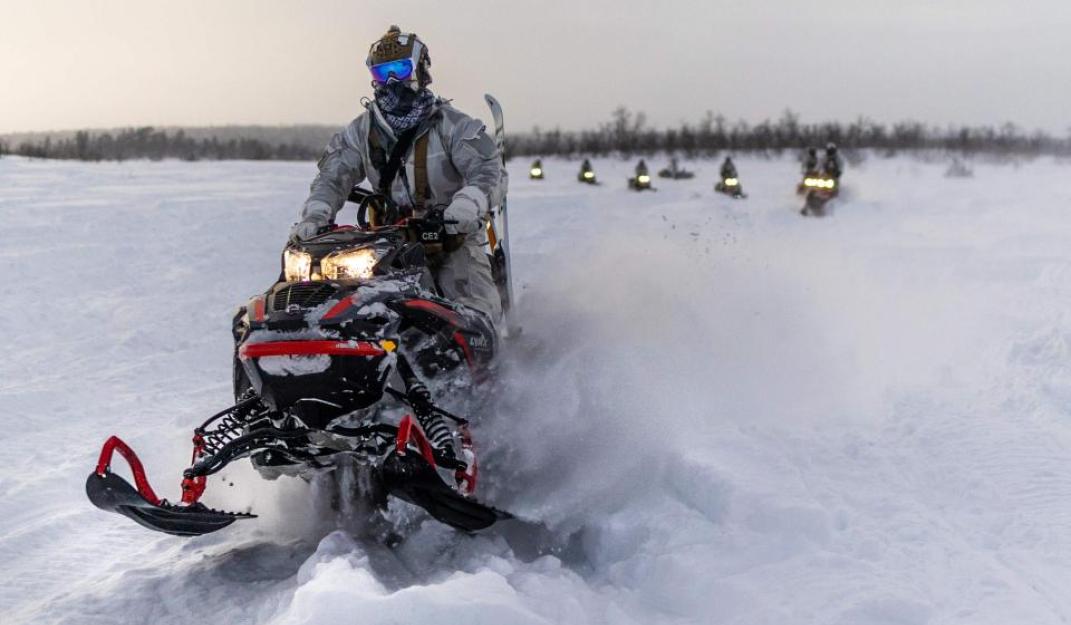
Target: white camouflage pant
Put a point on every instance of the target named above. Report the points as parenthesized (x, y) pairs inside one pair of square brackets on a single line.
[(465, 277)]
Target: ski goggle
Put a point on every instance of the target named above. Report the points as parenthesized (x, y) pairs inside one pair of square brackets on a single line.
[(401, 69)]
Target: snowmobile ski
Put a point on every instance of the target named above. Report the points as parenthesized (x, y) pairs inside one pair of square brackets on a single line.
[(503, 213), (411, 478), (111, 493)]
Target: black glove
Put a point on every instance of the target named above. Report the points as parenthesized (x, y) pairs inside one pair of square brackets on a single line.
[(432, 227)]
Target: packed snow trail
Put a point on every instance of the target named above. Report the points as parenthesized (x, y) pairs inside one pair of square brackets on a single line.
[(738, 415)]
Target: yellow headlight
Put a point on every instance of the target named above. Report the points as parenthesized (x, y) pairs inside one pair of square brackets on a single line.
[(537, 171), (356, 264), (296, 265), (731, 182), (589, 175), (643, 178)]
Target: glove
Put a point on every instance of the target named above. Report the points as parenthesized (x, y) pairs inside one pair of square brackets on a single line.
[(464, 213), (432, 228), (303, 230)]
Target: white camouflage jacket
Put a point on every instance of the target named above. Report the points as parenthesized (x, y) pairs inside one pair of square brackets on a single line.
[(463, 162)]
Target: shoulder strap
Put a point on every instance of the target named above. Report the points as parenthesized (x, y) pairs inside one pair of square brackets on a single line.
[(389, 171), (394, 162), (420, 172)]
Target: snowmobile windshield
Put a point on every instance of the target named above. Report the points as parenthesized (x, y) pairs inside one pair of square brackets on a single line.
[(400, 69)]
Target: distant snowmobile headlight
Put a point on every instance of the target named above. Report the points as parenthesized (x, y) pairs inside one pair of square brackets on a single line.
[(588, 175), (643, 179), (731, 182), (537, 171), (352, 265), (296, 265)]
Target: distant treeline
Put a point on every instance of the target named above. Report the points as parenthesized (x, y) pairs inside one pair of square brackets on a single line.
[(150, 143), (625, 134)]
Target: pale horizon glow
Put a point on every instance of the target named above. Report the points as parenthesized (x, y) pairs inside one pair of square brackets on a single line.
[(552, 63)]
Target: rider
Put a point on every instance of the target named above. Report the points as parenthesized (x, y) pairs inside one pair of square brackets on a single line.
[(446, 160), (832, 164), (810, 162), (728, 168), (641, 168)]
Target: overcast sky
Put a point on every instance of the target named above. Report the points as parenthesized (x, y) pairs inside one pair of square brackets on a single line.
[(85, 63)]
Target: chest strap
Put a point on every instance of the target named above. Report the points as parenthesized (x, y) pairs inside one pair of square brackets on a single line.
[(421, 189)]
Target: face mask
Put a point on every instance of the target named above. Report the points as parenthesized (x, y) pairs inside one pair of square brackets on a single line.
[(396, 97)]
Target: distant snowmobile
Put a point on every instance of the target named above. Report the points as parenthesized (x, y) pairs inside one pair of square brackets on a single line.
[(675, 172), (822, 186), (536, 171), (958, 169), (730, 181), (641, 181), (818, 191), (586, 173)]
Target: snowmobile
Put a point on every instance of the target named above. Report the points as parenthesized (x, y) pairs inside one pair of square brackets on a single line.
[(674, 172), (536, 171), (730, 186), (958, 169), (586, 174), (317, 360), (641, 181), (818, 190)]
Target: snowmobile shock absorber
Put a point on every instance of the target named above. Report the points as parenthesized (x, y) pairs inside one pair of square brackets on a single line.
[(419, 397), (433, 424)]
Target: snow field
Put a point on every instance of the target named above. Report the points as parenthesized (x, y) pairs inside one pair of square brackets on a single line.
[(738, 415)]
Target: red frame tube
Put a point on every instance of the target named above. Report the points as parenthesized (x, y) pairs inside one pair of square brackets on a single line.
[(410, 429), (114, 444), (310, 348)]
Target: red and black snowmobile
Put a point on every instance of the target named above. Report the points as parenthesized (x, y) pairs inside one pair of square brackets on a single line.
[(343, 361)]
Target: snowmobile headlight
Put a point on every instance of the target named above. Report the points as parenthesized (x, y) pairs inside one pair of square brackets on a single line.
[(296, 265), (731, 182), (537, 171), (643, 179), (353, 264), (588, 175)]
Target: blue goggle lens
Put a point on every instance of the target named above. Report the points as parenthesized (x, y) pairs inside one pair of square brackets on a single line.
[(401, 69)]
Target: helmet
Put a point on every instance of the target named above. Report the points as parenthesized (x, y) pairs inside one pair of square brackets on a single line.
[(398, 56), (812, 151), (831, 147)]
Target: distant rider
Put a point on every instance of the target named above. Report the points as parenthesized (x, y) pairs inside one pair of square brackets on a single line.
[(810, 162), (450, 162), (728, 169), (832, 165)]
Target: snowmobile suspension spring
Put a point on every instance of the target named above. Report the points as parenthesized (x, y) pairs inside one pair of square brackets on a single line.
[(436, 430)]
